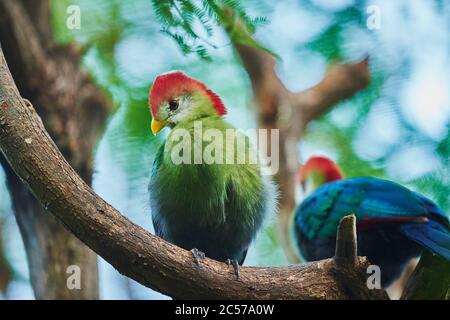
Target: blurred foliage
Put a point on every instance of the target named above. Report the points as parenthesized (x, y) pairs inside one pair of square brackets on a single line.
[(178, 19)]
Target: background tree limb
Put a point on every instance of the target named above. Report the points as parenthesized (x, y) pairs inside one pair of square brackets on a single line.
[(74, 111), (136, 253), (290, 112)]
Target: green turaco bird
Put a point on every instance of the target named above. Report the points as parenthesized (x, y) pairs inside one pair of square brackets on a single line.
[(212, 205)]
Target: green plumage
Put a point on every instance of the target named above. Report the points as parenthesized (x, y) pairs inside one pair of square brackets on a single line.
[(216, 208)]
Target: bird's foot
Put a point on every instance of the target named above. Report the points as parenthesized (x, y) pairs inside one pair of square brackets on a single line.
[(236, 267), (198, 256)]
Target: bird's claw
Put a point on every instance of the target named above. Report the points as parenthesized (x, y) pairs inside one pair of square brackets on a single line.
[(236, 267), (198, 256)]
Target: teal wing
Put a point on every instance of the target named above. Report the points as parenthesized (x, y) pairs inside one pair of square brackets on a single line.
[(320, 213), (370, 199), (156, 164), (158, 159)]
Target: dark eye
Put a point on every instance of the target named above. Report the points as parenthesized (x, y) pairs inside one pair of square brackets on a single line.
[(173, 105)]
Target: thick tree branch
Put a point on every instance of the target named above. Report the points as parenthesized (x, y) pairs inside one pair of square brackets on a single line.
[(340, 82), (133, 251)]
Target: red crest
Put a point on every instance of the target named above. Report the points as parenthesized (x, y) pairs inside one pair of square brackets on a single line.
[(172, 84)]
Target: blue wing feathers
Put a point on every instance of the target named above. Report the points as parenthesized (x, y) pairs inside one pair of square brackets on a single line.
[(432, 235), (433, 210), (373, 198), (385, 199)]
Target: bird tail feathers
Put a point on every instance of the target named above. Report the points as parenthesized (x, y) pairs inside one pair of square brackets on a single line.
[(432, 235)]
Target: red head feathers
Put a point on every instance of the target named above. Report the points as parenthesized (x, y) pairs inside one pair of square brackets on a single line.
[(172, 84), (327, 167)]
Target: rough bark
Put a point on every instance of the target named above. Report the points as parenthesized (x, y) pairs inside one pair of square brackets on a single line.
[(74, 112), (346, 250), (290, 112), (136, 253)]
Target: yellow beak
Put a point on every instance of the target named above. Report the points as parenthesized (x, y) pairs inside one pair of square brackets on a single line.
[(157, 126)]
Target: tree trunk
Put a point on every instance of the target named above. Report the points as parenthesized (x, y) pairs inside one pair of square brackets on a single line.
[(74, 112)]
